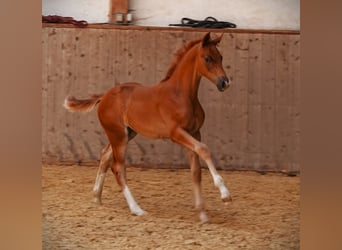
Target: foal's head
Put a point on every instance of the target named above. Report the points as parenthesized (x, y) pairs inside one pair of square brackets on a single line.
[(209, 61)]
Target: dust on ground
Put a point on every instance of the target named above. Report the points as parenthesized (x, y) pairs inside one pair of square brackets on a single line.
[(264, 213)]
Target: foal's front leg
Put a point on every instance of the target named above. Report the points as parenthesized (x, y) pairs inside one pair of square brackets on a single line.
[(196, 178), (183, 138), (196, 173)]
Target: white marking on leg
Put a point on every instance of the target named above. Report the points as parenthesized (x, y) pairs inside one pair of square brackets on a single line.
[(203, 151), (98, 187), (203, 217), (133, 206), (99, 183), (106, 154), (218, 181)]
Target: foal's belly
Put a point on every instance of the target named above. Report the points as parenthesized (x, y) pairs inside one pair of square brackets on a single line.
[(146, 124), (142, 115)]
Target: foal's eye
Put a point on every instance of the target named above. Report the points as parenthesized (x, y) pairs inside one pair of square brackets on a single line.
[(208, 59)]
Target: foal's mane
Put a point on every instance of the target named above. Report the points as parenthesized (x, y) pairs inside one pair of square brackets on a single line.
[(178, 56)]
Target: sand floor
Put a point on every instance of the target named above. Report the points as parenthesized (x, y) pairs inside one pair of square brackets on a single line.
[(264, 214)]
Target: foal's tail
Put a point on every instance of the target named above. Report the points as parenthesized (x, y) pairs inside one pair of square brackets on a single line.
[(82, 105)]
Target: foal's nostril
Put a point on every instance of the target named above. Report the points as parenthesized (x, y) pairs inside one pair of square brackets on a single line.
[(222, 83), (225, 82)]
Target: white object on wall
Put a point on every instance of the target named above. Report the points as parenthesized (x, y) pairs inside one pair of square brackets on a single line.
[(249, 14), (92, 11)]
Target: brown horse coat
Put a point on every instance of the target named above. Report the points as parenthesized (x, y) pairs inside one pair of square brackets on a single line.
[(169, 109)]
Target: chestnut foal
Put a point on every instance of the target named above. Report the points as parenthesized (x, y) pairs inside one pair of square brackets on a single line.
[(169, 109)]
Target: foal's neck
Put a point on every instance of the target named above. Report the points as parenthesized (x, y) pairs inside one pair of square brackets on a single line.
[(186, 78)]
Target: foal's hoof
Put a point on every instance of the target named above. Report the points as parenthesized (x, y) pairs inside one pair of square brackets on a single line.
[(139, 212), (227, 200), (203, 217), (98, 201)]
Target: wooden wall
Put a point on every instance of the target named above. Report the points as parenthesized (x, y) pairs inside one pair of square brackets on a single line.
[(253, 125)]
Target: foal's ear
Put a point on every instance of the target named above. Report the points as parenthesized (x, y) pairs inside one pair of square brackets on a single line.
[(206, 40), (217, 40)]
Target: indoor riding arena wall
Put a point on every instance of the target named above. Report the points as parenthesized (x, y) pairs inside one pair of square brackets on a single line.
[(254, 125)]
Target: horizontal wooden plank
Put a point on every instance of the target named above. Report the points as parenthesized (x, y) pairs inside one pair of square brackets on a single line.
[(170, 28)]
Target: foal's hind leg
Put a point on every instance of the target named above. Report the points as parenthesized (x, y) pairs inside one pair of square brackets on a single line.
[(118, 140), (105, 162)]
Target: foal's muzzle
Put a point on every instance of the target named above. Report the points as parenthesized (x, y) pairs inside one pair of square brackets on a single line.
[(222, 83)]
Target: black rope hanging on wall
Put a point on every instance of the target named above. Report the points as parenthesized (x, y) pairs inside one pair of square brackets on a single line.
[(209, 22)]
